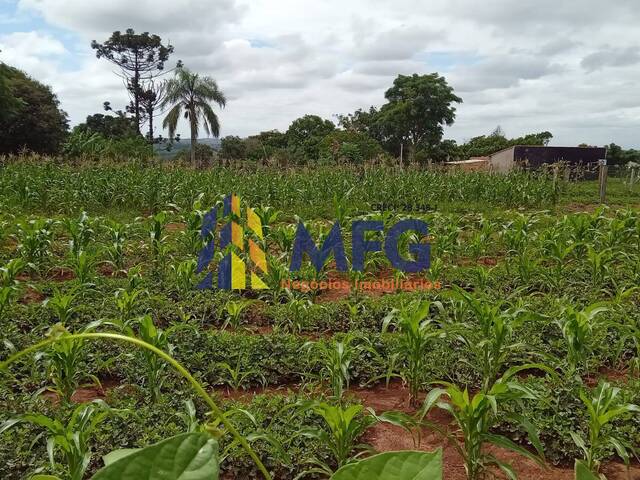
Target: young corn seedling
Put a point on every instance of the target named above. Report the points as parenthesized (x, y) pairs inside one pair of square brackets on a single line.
[(68, 444), (154, 365), (63, 360), (9, 283), (236, 378), (475, 415), (191, 236), (577, 327), (416, 333), (184, 275), (343, 428), (34, 240), (603, 406), (334, 359), (233, 311), (83, 266), (80, 232), (115, 249)]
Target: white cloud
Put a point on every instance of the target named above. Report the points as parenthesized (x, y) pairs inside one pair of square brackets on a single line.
[(528, 66)]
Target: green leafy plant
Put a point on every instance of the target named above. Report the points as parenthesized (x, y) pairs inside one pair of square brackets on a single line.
[(155, 367), (184, 275), (233, 311), (406, 465), (334, 359), (416, 333), (344, 426), (603, 406), (80, 232), (475, 416), (71, 440), (237, 378), (577, 327), (34, 240)]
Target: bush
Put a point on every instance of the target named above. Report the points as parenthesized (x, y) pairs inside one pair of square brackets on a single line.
[(348, 146), (37, 123)]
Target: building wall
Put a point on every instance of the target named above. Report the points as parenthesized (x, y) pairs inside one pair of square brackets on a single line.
[(502, 161)]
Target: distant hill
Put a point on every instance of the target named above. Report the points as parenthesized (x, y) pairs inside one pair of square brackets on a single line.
[(184, 144)]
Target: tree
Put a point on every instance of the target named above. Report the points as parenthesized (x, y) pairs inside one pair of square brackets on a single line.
[(9, 104), (418, 108), (37, 123), (192, 93), (233, 148), (305, 133), (109, 126), (141, 58), (350, 146)]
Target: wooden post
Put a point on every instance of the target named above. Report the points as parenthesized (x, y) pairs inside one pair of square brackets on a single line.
[(603, 180)]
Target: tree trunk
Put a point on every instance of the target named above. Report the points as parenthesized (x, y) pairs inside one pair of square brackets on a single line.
[(150, 112), (193, 144)]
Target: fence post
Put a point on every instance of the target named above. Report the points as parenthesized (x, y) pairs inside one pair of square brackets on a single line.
[(602, 178)]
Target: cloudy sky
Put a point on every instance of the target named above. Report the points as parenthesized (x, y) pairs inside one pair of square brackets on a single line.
[(570, 67)]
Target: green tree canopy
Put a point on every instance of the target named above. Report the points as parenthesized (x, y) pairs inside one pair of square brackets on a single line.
[(418, 108), (36, 122), (141, 58), (192, 94), (305, 134), (109, 126)]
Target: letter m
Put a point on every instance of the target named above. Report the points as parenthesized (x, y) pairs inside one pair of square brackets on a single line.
[(304, 244)]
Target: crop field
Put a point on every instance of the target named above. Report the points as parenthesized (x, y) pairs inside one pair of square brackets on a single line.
[(522, 355)]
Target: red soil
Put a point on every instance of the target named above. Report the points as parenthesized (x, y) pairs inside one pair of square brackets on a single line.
[(60, 274), (32, 296)]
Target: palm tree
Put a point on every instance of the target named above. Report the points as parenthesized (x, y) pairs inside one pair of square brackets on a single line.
[(192, 93)]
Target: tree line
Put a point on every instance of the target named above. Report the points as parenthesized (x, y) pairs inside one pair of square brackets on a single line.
[(409, 125)]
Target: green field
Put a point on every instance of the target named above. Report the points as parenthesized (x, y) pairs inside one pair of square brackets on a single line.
[(536, 319)]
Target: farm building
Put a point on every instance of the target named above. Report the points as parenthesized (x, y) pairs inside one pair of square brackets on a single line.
[(531, 156)]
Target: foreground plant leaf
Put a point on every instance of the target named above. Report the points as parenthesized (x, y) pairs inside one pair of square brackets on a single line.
[(582, 472), (405, 465), (190, 456)]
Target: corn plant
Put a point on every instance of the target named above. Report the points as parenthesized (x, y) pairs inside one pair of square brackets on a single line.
[(475, 417), (233, 311), (155, 367), (268, 216), (184, 275), (157, 240), (343, 427), (191, 236), (9, 283), (295, 319), (115, 249), (80, 232), (334, 359), (489, 338), (68, 444), (603, 406), (83, 266), (63, 361), (577, 327), (127, 302), (237, 378), (416, 332), (34, 240)]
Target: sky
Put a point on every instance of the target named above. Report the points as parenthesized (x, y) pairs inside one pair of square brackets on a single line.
[(570, 67)]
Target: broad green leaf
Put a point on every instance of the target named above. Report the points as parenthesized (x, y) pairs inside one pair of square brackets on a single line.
[(44, 477), (190, 456), (583, 473), (405, 465), (116, 455)]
